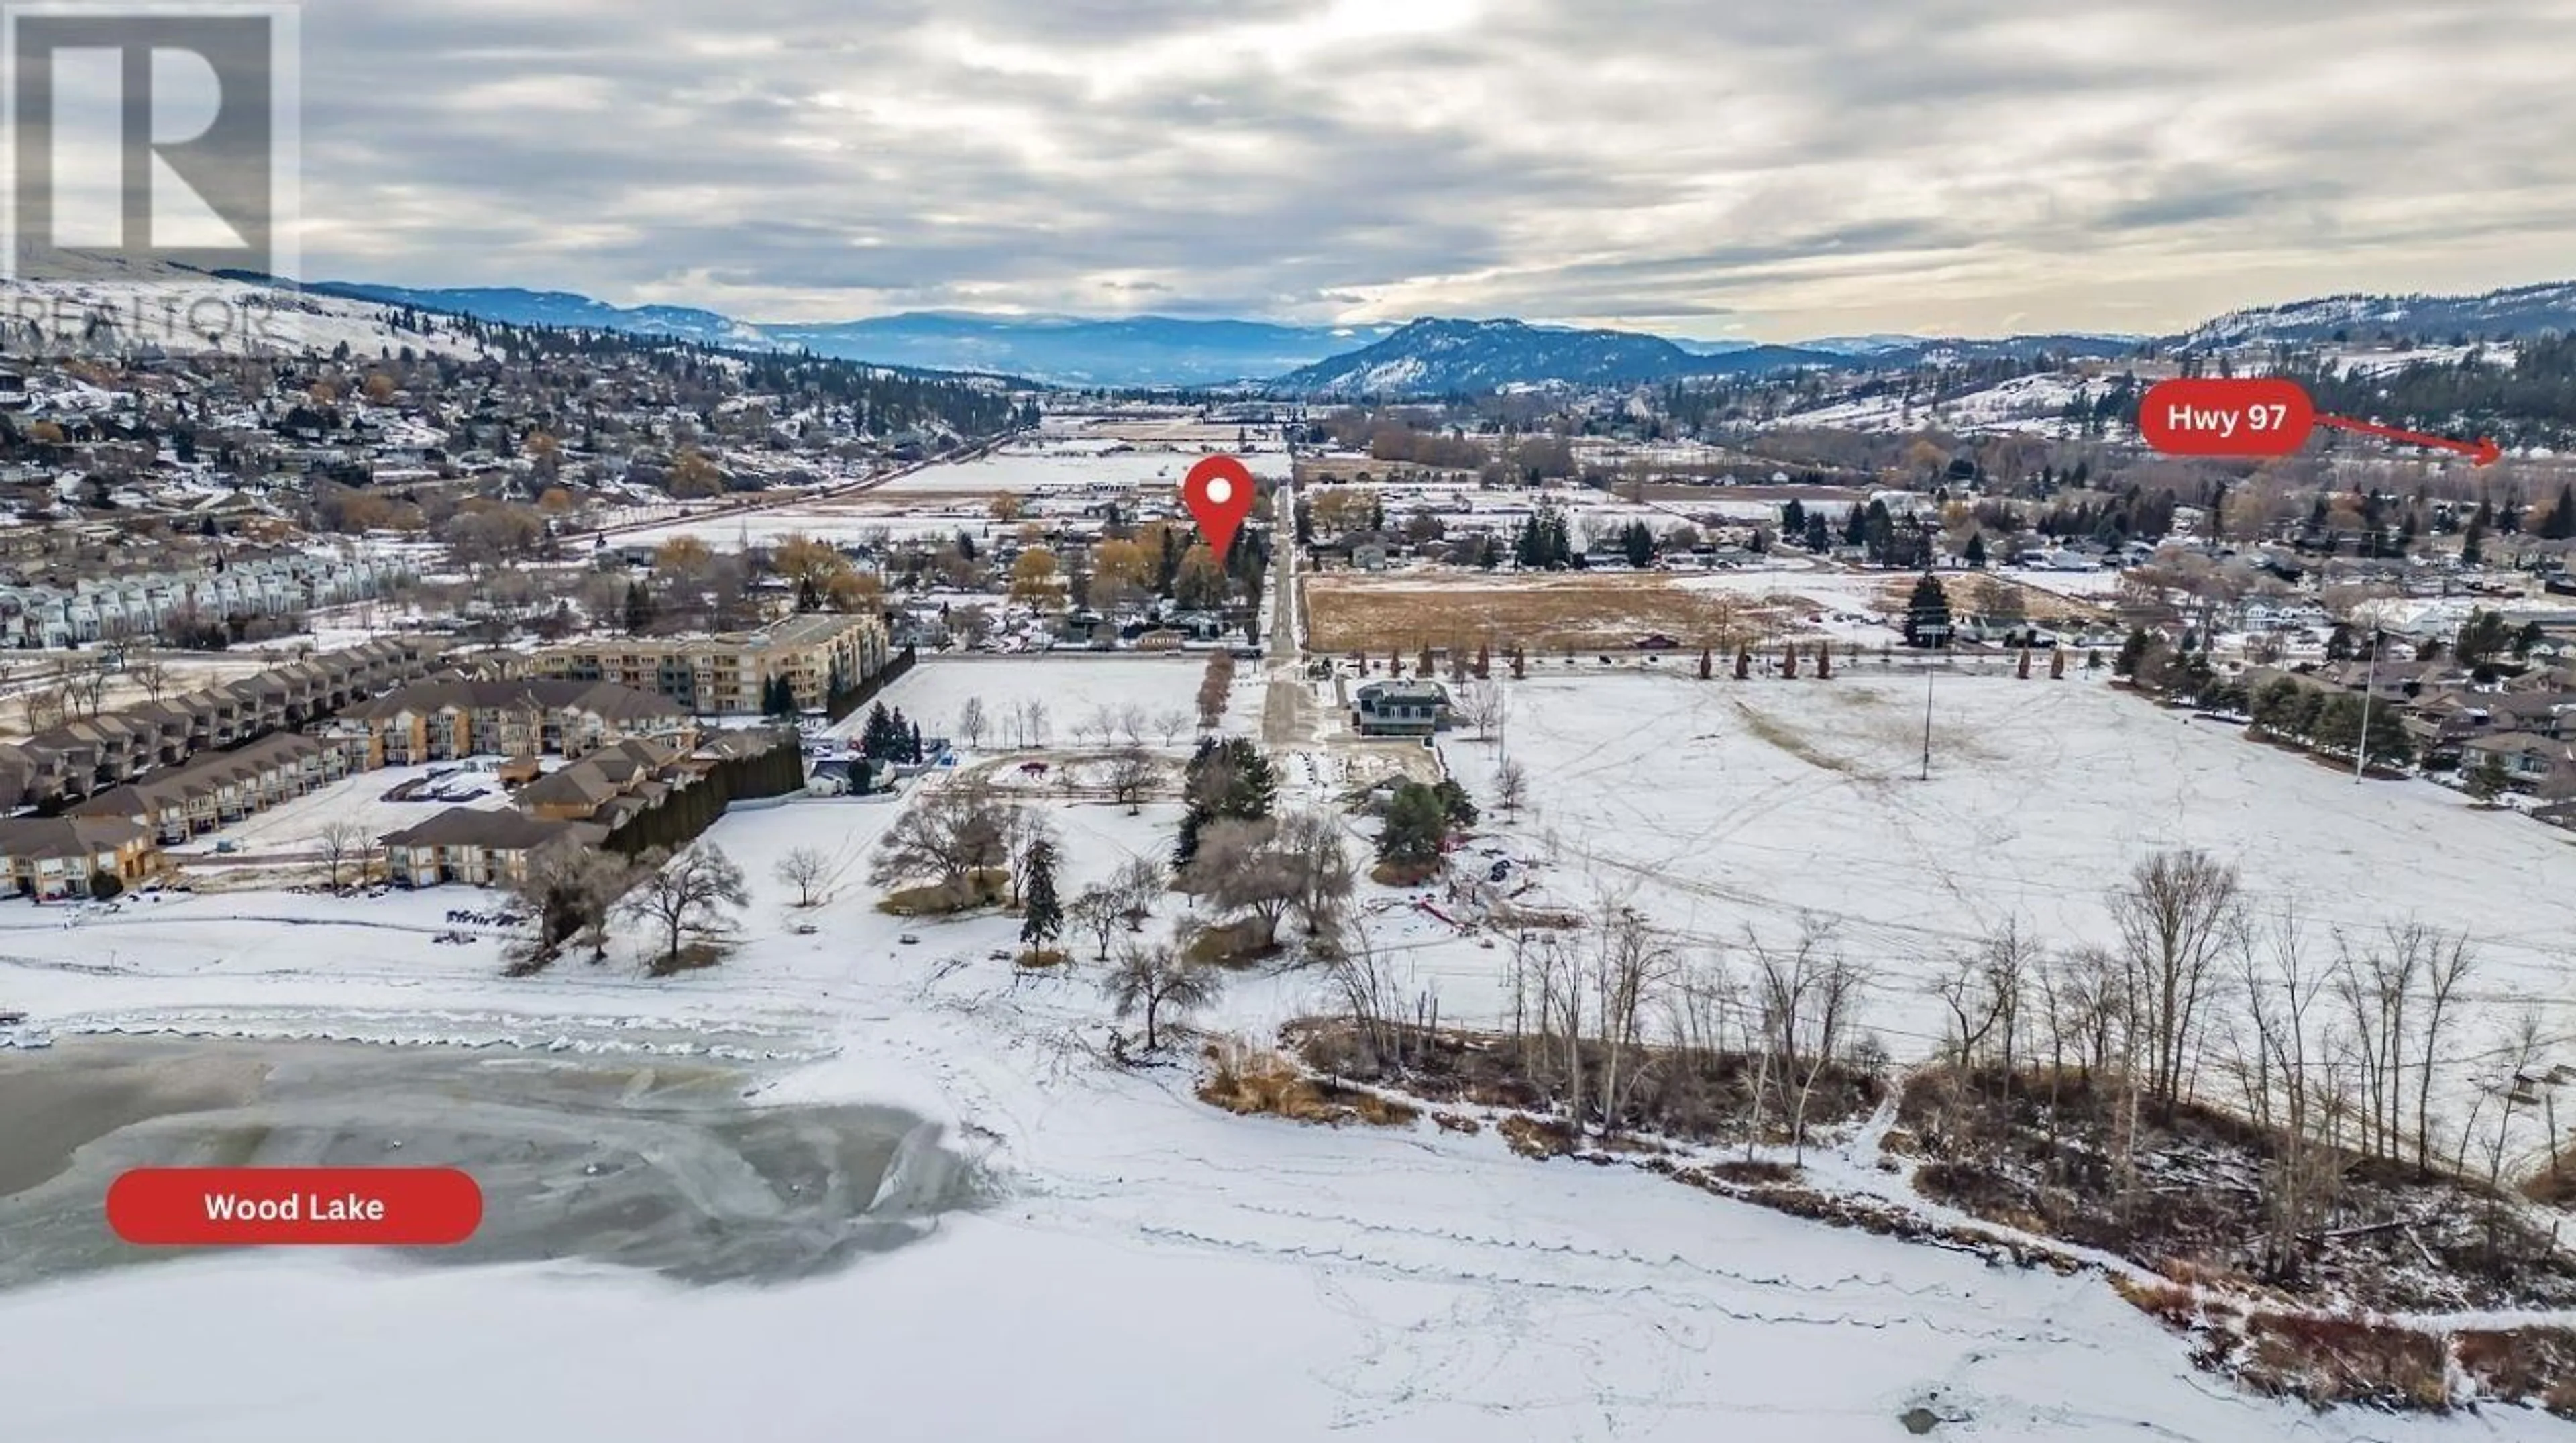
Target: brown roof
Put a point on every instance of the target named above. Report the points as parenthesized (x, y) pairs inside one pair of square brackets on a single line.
[(49, 838), (601, 698), (503, 831)]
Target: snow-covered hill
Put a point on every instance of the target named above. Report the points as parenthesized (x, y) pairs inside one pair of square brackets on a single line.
[(2521, 311), (113, 305), (564, 310), (1434, 356)]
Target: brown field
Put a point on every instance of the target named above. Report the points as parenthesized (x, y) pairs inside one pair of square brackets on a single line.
[(1344, 470), (1348, 613)]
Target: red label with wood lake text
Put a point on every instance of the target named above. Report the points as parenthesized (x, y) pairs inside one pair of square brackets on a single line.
[(294, 1206)]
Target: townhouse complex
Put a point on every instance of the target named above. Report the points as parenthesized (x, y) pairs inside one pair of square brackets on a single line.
[(81, 758), (109, 608)]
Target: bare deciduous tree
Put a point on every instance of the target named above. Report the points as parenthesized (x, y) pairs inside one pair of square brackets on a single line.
[(686, 896), (1155, 980), (342, 840), (1132, 773), (2179, 915), (1511, 787), (1627, 964), (1139, 882), (1241, 868), (972, 723), (1804, 996), (955, 835), (1481, 705), (1099, 911), (1169, 725), (152, 676), (806, 869)]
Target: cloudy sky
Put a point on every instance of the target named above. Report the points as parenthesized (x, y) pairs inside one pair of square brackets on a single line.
[(1764, 168)]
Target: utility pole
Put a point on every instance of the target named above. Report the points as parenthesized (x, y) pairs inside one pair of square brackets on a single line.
[(2370, 684), (1927, 723)]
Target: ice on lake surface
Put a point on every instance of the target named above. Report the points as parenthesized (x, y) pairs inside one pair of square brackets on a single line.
[(641, 1164)]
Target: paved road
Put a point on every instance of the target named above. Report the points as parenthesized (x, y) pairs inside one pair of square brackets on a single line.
[(1288, 718)]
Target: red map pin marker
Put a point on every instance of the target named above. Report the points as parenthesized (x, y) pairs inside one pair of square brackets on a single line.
[(1219, 495)]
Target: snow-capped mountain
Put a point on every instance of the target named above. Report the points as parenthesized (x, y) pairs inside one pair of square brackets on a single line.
[(1435, 356), (566, 311), (2520, 311)]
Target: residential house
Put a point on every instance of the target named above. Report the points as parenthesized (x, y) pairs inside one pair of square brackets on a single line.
[(2533, 762), (50, 858), (1400, 709), (482, 848)]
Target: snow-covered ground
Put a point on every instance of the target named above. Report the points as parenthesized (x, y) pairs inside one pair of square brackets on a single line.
[(296, 827), (2031, 404), (1051, 466), (1721, 807), (1152, 1269)]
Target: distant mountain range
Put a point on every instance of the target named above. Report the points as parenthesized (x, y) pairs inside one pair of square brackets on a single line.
[(1141, 351), (1436, 356)]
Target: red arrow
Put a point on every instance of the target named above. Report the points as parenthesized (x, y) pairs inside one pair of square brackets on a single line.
[(2480, 453)]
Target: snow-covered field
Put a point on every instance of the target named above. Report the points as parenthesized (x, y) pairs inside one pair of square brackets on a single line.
[(2031, 404), (1723, 806), (1049, 466), (1152, 1269)]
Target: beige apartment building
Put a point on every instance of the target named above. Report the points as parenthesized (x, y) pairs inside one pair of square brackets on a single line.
[(730, 675)]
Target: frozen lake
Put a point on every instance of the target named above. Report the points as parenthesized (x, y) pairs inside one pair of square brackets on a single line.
[(642, 1163)]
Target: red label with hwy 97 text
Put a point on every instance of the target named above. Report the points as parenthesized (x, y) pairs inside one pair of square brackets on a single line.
[(294, 1206), (2213, 416)]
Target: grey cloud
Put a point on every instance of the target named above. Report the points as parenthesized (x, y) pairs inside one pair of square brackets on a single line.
[(1645, 158)]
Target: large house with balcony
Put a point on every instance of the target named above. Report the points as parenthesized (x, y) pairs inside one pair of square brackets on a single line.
[(1400, 709)]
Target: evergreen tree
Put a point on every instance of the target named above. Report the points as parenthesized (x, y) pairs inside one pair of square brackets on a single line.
[(914, 751), (1976, 552), (1227, 779), (1927, 613), (2488, 779), (2561, 525), (1042, 921), (2133, 653), (1416, 826), (1793, 518), (1638, 542), (639, 608)]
